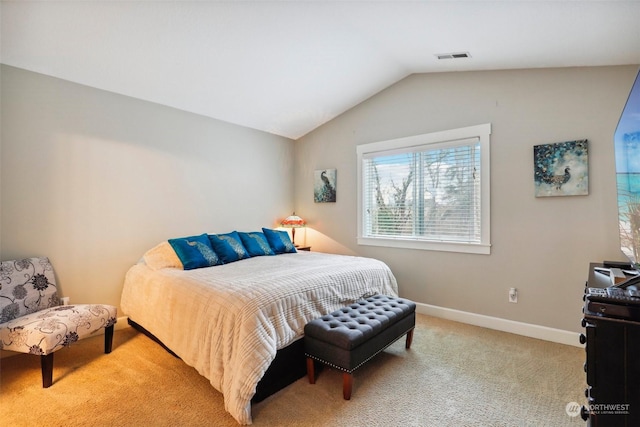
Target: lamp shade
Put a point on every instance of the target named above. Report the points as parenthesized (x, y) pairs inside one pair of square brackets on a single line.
[(293, 221)]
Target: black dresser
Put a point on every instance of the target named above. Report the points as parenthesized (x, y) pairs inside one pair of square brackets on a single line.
[(612, 338)]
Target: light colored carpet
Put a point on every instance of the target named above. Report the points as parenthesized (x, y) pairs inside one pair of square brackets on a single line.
[(453, 375)]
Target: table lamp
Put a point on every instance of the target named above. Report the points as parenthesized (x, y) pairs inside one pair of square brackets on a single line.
[(293, 221)]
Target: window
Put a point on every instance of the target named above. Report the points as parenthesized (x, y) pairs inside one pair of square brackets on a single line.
[(426, 192)]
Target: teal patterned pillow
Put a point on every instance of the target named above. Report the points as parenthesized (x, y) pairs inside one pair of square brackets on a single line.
[(255, 243), (195, 252), (279, 241), (228, 246)]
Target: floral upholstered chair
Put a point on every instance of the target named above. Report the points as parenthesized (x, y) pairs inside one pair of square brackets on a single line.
[(32, 319)]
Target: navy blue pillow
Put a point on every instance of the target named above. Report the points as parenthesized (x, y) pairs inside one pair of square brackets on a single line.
[(255, 243), (195, 252), (228, 246), (279, 241)]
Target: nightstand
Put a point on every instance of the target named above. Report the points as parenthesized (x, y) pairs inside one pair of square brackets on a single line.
[(303, 248)]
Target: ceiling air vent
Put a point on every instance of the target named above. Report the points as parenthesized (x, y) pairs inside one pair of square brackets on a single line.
[(455, 55)]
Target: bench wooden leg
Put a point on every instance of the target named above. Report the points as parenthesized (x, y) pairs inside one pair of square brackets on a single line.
[(108, 339), (46, 364), (347, 385), (409, 339), (310, 371)]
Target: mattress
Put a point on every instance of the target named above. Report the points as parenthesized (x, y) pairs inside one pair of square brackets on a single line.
[(228, 321)]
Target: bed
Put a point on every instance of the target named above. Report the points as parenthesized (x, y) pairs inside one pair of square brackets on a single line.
[(228, 321)]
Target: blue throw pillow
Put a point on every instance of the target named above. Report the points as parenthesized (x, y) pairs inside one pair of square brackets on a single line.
[(195, 252), (255, 243), (279, 241), (228, 246)]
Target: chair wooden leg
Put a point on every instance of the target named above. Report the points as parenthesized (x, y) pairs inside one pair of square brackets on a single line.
[(108, 339), (409, 339), (311, 371), (46, 363), (347, 385)]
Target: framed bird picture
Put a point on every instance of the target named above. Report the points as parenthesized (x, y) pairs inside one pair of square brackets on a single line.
[(561, 169), (324, 186)]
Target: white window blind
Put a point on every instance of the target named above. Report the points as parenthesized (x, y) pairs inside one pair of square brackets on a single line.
[(425, 189)]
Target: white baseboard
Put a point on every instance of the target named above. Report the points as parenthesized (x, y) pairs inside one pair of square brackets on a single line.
[(526, 329), (123, 322)]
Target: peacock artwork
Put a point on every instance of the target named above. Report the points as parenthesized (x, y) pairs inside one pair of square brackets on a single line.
[(324, 186), (561, 169)]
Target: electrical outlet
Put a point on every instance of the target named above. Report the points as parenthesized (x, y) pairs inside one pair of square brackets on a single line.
[(65, 300), (513, 295)]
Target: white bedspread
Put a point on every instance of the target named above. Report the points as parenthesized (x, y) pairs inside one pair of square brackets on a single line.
[(228, 321)]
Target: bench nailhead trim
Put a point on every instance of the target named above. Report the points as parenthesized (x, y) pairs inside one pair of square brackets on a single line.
[(361, 363)]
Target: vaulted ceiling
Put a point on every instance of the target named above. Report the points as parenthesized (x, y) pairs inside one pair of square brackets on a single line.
[(287, 67)]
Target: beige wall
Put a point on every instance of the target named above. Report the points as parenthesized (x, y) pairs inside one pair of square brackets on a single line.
[(93, 179), (542, 246)]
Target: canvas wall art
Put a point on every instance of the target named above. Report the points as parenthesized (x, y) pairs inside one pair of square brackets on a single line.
[(561, 169), (627, 150), (324, 186)]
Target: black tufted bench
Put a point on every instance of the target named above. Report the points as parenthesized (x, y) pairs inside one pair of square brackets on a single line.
[(350, 336)]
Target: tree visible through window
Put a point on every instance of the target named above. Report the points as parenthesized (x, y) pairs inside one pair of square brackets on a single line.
[(423, 191)]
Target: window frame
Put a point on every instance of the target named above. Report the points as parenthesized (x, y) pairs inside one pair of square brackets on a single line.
[(441, 138)]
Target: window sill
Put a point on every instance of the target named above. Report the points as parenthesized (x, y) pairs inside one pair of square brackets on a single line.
[(469, 248)]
